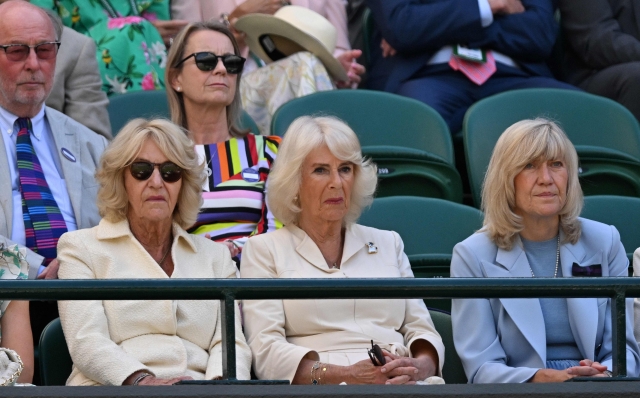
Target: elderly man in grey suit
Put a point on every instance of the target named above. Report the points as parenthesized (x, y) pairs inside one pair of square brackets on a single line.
[(77, 86), (47, 160)]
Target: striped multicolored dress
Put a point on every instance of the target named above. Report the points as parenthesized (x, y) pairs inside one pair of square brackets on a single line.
[(234, 194)]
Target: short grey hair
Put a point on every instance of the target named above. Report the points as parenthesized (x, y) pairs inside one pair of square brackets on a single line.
[(303, 136)]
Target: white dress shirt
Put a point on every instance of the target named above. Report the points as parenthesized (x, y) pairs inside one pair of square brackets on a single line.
[(45, 147)]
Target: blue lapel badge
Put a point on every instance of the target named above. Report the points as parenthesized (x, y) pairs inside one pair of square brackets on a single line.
[(250, 175), (67, 154)]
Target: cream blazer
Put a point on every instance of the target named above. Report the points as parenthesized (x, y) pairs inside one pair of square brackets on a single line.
[(110, 340), (282, 332)]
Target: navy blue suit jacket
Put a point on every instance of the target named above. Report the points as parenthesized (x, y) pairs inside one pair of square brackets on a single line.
[(417, 29)]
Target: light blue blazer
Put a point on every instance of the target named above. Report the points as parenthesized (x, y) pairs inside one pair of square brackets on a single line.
[(504, 340)]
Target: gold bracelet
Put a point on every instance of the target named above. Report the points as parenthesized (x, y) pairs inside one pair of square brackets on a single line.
[(315, 367), (315, 380), (324, 371)]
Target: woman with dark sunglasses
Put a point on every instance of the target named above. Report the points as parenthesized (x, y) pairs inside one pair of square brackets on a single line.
[(203, 89), (150, 191), (289, 68)]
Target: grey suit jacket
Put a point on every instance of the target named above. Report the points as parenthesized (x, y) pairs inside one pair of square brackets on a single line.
[(87, 147), (504, 340), (77, 86), (599, 34)]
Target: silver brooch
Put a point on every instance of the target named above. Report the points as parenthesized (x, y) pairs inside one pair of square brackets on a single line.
[(372, 248)]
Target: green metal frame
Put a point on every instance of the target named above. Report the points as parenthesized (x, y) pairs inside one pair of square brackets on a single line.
[(229, 290)]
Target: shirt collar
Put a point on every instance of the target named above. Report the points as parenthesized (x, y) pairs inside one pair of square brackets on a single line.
[(8, 119)]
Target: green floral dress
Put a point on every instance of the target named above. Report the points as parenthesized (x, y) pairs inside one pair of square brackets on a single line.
[(13, 265), (130, 52)]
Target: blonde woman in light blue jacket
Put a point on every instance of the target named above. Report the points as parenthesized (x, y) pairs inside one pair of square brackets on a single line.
[(532, 200)]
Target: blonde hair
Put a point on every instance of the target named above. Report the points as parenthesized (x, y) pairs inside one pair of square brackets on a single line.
[(522, 143), (304, 135), (113, 201), (176, 54)]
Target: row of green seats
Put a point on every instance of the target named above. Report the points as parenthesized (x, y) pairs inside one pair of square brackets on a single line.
[(412, 146)]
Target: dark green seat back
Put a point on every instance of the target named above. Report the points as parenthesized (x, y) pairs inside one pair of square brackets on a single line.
[(605, 134), (623, 212), (408, 140), (429, 229), (367, 36), (452, 371), (146, 104), (247, 123), (150, 105), (54, 360), (378, 118)]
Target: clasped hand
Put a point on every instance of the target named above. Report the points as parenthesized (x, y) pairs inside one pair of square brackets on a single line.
[(587, 368), (397, 370)]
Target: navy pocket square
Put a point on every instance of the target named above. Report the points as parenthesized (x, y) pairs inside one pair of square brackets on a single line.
[(589, 270)]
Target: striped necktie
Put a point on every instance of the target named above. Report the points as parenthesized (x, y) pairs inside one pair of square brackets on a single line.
[(43, 221), (477, 72)]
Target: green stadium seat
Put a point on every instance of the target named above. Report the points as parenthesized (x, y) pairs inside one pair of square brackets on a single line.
[(619, 211), (147, 104), (409, 141), (247, 123), (605, 134), (429, 229), (54, 360), (452, 371), (152, 104), (367, 36)]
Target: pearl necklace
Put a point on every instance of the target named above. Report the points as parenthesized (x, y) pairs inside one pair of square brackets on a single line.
[(555, 273)]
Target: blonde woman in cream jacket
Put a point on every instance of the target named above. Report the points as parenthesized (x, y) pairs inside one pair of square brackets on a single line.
[(150, 190)]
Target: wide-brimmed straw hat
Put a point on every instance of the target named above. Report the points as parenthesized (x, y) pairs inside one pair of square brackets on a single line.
[(290, 30)]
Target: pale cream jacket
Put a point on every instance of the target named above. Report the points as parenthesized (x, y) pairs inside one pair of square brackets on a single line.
[(282, 332), (110, 340)]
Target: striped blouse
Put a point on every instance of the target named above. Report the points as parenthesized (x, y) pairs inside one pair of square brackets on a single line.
[(234, 205)]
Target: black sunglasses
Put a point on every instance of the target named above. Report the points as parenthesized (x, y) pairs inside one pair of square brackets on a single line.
[(207, 61), (376, 355), (141, 170)]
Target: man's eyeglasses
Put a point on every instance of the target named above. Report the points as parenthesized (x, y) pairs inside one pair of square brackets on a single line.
[(376, 355), (141, 170), (206, 61), (20, 52)]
